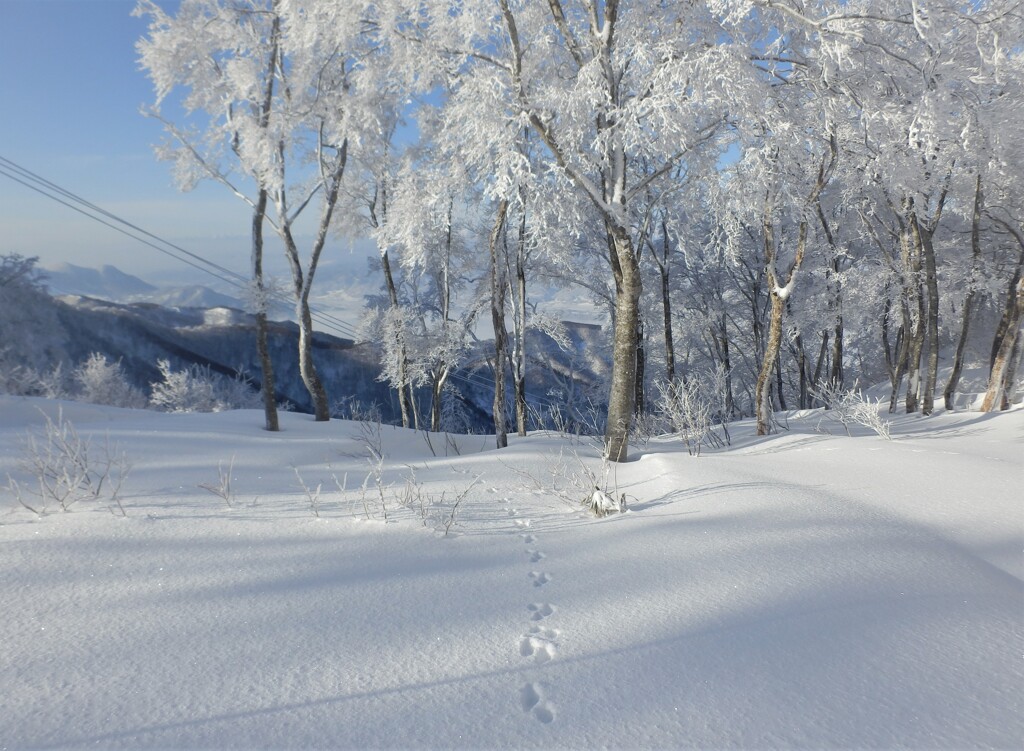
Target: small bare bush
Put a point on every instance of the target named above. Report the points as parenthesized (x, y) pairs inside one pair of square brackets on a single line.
[(65, 468), (50, 384), (575, 482), (351, 408), (690, 411), (439, 511), (222, 487), (851, 407), (313, 494), (18, 379)]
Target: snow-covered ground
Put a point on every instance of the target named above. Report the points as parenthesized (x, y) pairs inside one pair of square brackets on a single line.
[(803, 590)]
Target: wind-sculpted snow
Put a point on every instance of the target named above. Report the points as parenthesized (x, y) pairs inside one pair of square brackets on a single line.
[(803, 590)]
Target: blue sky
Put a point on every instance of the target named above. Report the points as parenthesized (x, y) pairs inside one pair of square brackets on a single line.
[(70, 94)]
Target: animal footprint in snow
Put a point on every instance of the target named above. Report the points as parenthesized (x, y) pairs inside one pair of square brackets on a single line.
[(529, 539), (537, 647), (512, 512), (523, 523), (540, 611), (548, 634), (540, 578), (531, 698), (535, 556)]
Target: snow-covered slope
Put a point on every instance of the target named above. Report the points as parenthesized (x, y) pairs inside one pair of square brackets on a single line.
[(803, 590)]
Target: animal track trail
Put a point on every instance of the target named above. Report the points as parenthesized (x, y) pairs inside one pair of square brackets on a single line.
[(539, 645), (540, 578), (531, 698)]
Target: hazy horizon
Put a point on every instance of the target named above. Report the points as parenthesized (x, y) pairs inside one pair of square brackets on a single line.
[(73, 92)]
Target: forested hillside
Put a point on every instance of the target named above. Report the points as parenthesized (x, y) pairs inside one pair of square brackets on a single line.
[(795, 195), (48, 341)]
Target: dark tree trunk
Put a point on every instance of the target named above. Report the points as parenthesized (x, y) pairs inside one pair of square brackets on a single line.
[(436, 391), (1010, 379), (414, 407), (836, 375), (500, 332), (519, 371), (915, 347), (1006, 346), (1011, 300), (639, 399), (914, 301), (404, 400), (259, 215), (961, 345), (780, 395), (801, 362), (997, 396), (902, 354), (378, 209), (262, 348), (932, 323), (730, 402), (664, 270), (517, 360), (303, 282), (627, 319), (821, 364), (780, 292), (307, 368)]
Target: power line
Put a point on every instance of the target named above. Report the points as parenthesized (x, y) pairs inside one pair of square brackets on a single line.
[(51, 190), (90, 210), (112, 226)]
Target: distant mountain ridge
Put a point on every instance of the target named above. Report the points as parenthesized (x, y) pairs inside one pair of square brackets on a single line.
[(107, 282), (111, 284)]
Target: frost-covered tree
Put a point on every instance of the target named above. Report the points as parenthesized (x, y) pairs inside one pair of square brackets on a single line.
[(196, 388), (227, 57), (792, 193), (930, 88), (277, 92), (617, 94), (439, 242), (380, 167), (100, 381)]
